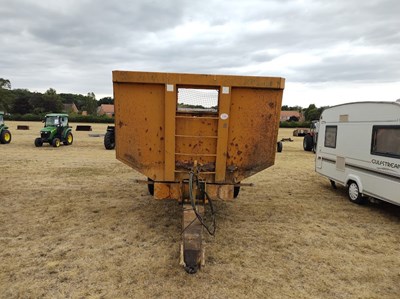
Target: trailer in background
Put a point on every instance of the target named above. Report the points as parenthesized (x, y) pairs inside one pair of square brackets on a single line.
[(359, 147)]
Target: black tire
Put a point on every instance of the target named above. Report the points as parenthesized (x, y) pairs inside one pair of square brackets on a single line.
[(236, 190), (56, 142), (69, 139), (38, 142), (353, 191), (279, 146), (109, 140), (333, 184), (5, 137), (308, 143), (150, 186)]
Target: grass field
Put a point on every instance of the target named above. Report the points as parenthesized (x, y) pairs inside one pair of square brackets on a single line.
[(74, 224)]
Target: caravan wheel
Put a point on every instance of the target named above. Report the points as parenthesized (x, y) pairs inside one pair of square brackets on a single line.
[(354, 193)]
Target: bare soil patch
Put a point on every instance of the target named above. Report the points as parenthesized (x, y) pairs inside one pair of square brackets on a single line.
[(74, 224)]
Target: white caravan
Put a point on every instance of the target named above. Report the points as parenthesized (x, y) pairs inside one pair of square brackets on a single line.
[(359, 147)]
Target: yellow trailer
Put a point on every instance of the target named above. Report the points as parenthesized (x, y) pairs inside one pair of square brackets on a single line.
[(196, 137)]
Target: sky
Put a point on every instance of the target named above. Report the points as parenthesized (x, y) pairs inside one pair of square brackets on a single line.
[(329, 52)]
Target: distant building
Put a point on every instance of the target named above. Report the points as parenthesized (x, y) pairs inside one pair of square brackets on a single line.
[(107, 109), (291, 116), (70, 108)]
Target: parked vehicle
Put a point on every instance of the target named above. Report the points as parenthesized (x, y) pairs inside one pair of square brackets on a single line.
[(5, 135), (109, 138), (359, 147), (311, 137), (56, 130)]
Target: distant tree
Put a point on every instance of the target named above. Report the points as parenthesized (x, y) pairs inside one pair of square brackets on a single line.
[(6, 100), (68, 98), (5, 84), (312, 112), (21, 103), (36, 102), (50, 101), (289, 108), (106, 100), (91, 95), (88, 103)]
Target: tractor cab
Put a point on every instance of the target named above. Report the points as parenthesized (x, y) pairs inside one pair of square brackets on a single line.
[(56, 120), (56, 130), (5, 135)]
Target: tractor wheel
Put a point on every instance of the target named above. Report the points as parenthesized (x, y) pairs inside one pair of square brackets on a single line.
[(56, 142), (354, 193), (308, 143), (38, 142), (5, 137), (109, 140), (279, 146), (69, 139)]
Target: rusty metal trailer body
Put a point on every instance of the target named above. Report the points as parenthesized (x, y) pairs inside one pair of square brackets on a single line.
[(224, 144), (161, 142)]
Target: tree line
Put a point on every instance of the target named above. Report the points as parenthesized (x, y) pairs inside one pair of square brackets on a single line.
[(23, 101), (310, 113)]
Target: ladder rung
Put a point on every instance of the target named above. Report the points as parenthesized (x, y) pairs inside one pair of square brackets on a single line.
[(196, 136)]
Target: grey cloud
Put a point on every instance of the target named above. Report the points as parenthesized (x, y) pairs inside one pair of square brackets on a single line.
[(75, 45)]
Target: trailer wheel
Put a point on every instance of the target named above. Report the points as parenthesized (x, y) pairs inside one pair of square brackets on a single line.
[(150, 187), (109, 140), (354, 193), (308, 143), (236, 190), (279, 146)]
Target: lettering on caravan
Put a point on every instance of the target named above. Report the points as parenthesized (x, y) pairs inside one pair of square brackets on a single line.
[(385, 164)]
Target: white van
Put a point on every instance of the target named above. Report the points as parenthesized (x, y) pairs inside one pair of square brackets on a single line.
[(359, 147)]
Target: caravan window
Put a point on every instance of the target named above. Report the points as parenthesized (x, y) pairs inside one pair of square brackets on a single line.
[(330, 136), (386, 141)]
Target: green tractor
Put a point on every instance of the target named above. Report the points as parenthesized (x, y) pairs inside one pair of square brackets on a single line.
[(5, 135), (55, 131)]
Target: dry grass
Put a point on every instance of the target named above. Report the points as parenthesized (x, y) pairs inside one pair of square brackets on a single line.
[(74, 224)]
